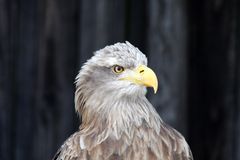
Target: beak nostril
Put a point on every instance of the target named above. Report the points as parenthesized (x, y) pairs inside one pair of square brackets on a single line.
[(141, 71)]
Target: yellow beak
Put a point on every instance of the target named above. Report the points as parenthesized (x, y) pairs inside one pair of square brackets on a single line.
[(143, 75)]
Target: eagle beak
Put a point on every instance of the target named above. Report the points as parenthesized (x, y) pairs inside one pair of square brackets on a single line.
[(145, 76)]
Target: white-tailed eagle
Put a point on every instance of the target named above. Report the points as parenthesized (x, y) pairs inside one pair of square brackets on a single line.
[(118, 122)]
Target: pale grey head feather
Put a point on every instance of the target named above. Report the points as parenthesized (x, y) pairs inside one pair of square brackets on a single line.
[(96, 75)]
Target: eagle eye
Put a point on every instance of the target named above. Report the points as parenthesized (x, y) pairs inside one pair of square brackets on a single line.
[(117, 69)]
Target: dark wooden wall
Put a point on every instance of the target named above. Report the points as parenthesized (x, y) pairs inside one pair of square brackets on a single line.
[(214, 79), (194, 47)]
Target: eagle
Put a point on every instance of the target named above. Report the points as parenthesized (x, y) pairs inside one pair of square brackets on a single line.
[(118, 121)]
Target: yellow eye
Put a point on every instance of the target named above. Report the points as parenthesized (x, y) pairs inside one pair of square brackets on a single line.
[(118, 69)]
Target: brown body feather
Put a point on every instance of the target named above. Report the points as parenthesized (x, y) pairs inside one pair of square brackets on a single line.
[(145, 145)]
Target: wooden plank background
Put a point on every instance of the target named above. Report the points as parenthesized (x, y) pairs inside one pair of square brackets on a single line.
[(193, 47)]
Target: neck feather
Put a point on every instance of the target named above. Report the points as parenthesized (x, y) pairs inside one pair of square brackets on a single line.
[(113, 116)]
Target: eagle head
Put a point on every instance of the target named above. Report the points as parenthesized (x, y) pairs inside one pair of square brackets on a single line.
[(115, 71)]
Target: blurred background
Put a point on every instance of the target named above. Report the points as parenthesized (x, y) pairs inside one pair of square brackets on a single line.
[(193, 46)]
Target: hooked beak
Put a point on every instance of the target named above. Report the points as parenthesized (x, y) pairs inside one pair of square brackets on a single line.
[(145, 76)]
